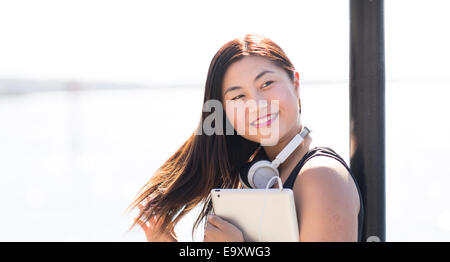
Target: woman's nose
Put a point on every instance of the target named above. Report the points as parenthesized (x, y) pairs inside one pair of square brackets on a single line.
[(258, 105)]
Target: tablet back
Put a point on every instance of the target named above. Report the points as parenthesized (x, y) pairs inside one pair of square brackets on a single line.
[(245, 208)]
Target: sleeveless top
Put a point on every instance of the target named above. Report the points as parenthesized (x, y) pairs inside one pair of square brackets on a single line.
[(326, 151)]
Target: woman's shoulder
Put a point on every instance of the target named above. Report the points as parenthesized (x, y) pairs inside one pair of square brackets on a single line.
[(327, 178), (322, 166), (318, 158)]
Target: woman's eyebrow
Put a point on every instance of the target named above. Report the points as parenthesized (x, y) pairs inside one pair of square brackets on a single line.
[(256, 78)]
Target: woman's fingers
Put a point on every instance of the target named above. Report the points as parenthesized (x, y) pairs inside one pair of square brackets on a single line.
[(217, 221), (211, 228), (218, 229), (211, 232)]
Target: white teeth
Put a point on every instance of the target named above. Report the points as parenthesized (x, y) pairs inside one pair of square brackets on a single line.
[(263, 120)]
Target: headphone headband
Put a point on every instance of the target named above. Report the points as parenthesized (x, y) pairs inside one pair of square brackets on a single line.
[(258, 173), (291, 146)]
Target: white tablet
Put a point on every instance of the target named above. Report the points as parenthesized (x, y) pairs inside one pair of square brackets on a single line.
[(276, 221)]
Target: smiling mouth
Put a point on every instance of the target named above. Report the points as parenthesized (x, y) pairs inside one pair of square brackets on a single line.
[(266, 120)]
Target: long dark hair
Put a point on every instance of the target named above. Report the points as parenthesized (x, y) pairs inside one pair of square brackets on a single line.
[(205, 162)]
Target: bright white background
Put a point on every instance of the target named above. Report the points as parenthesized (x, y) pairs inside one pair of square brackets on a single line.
[(71, 162)]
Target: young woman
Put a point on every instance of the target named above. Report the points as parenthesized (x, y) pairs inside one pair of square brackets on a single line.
[(328, 200)]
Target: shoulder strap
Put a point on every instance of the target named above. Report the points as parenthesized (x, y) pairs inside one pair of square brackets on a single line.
[(316, 151), (289, 183)]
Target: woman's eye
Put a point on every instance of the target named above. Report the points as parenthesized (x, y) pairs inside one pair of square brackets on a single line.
[(267, 83), (236, 97), (264, 85)]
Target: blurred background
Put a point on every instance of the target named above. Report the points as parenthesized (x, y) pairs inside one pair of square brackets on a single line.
[(96, 95)]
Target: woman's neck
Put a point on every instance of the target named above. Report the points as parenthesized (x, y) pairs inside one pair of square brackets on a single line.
[(273, 151)]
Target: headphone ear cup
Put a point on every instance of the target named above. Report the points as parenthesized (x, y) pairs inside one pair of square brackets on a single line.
[(243, 174), (243, 171), (260, 174)]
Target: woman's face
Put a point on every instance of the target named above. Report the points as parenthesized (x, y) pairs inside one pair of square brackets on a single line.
[(254, 87)]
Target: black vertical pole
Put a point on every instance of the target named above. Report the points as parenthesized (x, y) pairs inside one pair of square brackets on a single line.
[(367, 112)]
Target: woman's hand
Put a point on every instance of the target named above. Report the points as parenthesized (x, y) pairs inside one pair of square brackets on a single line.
[(219, 230), (148, 228)]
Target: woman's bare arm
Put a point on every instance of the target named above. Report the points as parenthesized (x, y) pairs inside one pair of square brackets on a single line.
[(327, 202)]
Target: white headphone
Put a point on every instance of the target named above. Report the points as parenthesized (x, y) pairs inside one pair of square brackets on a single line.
[(260, 173)]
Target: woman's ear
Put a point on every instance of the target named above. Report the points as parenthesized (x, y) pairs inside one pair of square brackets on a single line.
[(296, 81), (297, 89)]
